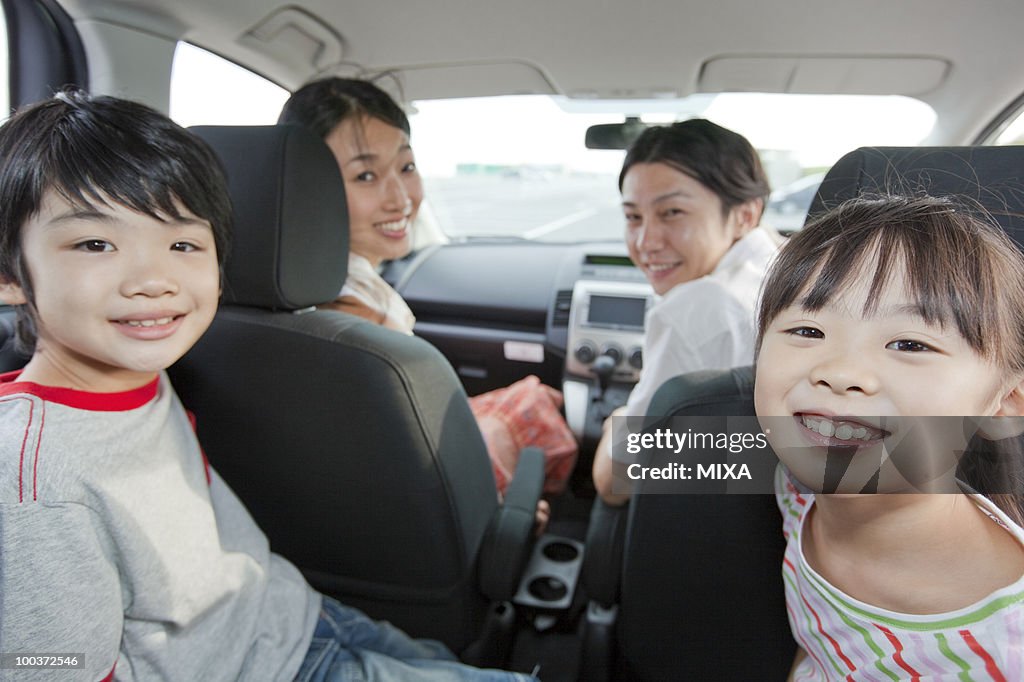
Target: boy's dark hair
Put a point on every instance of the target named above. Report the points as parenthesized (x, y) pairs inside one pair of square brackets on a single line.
[(723, 161), (97, 150), (960, 267), (323, 104)]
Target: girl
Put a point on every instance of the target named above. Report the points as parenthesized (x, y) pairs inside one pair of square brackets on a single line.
[(880, 310)]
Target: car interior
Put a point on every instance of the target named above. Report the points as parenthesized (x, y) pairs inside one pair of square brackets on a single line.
[(354, 447)]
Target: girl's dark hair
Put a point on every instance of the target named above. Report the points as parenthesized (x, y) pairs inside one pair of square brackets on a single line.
[(94, 151), (323, 104), (721, 160), (961, 269)]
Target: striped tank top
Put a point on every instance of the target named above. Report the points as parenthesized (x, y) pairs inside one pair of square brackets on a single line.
[(847, 639)]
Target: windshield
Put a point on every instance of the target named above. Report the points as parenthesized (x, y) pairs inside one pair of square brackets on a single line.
[(501, 167)]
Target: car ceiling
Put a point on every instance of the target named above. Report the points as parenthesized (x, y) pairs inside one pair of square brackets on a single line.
[(959, 57)]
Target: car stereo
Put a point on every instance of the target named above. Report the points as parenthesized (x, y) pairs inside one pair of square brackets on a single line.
[(607, 318)]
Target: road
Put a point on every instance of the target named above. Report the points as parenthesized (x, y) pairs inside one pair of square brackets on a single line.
[(547, 207)]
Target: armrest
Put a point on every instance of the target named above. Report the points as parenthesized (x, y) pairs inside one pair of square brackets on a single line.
[(602, 563), (506, 545)]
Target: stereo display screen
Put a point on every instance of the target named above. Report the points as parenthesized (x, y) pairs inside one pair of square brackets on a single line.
[(617, 311)]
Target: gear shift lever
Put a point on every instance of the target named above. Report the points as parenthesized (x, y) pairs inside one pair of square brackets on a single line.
[(602, 368)]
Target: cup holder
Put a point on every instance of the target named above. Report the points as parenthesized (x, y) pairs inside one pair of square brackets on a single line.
[(551, 574), (560, 551), (547, 588)]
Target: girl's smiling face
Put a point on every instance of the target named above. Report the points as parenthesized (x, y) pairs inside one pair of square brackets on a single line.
[(382, 186), (842, 375)]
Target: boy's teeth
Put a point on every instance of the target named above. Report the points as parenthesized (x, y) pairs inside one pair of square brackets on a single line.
[(658, 267)]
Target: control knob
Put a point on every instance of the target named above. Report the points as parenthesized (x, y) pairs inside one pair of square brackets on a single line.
[(614, 351), (636, 357), (585, 352)]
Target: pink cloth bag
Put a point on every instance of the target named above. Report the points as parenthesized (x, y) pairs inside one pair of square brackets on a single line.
[(527, 413)]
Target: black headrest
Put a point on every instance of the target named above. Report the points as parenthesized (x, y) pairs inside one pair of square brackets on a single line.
[(992, 176), (289, 247)]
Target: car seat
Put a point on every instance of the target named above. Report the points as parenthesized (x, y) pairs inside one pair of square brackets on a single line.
[(352, 445), (991, 176), (690, 586), (700, 594)]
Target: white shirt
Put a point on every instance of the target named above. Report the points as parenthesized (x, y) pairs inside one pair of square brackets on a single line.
[(706, 323), (366, 285)]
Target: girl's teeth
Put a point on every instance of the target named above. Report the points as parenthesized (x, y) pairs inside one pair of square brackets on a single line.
[(829, 429), (149, 323)]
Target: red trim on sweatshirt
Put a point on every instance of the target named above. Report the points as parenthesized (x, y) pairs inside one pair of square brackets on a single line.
[(119, 401), (195, 430), (110, 675)]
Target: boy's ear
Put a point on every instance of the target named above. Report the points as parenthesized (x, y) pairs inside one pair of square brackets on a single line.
[(1008, 422), (12, 294)]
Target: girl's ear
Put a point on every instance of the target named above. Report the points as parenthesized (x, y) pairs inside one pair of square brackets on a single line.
[(746, 217), (12, 294), (1008, 422)]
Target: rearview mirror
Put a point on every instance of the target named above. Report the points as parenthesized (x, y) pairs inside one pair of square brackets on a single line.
[(615, 135)]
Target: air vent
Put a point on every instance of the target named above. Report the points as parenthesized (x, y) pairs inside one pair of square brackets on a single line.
[(563, 301)]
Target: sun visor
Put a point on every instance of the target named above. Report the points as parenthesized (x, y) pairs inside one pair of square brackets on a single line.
[(849, 75)]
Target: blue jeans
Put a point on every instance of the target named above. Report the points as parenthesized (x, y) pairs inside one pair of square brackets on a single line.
[(348, 646)]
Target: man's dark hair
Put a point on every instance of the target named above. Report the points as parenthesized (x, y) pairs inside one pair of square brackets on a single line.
[(97, 151), (322, 104)]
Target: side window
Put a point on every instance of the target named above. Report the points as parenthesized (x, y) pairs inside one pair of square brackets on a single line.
[(209, 90), (1010, 133)]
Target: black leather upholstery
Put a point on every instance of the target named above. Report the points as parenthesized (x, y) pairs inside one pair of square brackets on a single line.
[(992, 176), (352, 445), (701, 594), (10, 359)]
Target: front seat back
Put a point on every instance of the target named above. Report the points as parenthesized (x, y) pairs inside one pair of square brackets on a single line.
[(352, 445), (991, 176), (701, 588)]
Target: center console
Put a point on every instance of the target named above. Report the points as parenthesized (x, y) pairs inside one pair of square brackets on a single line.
[(604, 353)]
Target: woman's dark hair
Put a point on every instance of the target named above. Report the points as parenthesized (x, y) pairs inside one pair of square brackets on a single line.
[(961, 269), (721, 160), (94, 151), (323, 104)]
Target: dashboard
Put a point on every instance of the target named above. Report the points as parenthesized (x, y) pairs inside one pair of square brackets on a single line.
[(502, 310)]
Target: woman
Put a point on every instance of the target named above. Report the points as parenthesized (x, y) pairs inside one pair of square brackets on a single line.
[(369, 135), (693, 193)]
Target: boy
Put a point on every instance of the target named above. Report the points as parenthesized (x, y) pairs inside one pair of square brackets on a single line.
[(122, 554)]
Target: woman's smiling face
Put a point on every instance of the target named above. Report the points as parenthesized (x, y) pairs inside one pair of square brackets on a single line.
[(382, 186)]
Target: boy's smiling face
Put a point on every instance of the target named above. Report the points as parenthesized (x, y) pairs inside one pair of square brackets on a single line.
[(838, 378), (118, 295)]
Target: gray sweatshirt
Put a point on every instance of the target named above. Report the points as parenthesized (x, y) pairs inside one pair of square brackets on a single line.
[(117, 541)]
